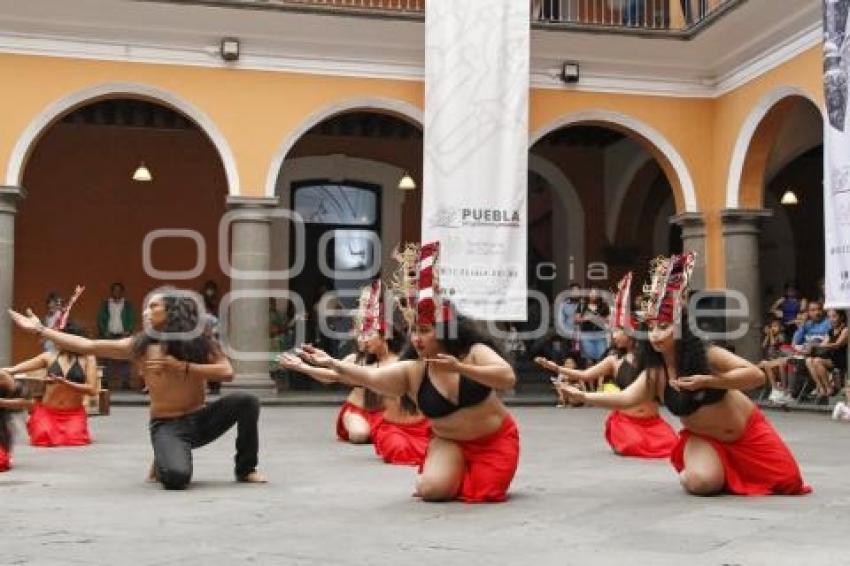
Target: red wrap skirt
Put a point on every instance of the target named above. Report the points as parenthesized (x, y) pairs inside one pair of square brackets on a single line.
[(490, 464), (403, 444), (371, 417), (5, 460), (758, 463), (57, 427), (647, 437)]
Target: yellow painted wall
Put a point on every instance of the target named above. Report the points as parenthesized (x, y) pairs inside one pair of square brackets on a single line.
[(257, 110), (253, 109)]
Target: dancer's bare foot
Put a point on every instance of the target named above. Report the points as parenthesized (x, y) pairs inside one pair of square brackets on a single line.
[(152, 478), (253, 477)]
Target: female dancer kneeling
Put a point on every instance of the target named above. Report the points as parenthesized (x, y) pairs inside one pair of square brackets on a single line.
[(474, 449), (399, 431), (727, 444), (361, 410), (60, 419), (636, 431)]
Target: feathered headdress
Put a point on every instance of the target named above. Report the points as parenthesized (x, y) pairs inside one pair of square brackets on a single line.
[(62, 320), (416, 284), (665, 294), (370, 309), (621, 315)]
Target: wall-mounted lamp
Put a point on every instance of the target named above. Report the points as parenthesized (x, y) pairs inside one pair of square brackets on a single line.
[(229, 49), (570, 72)]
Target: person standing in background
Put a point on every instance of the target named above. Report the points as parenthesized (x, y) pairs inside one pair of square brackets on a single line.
[(116, 320)]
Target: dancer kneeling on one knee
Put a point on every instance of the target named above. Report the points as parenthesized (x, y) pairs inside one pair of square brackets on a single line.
[(637, 431), (474, 449), (727, 445), (177, 358)]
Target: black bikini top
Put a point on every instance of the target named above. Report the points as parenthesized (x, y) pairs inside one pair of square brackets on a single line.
[(433, 405), (686, 403), (626, 374), (75, 372)]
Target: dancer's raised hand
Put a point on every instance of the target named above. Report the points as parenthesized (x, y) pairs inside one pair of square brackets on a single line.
[(29, 322)]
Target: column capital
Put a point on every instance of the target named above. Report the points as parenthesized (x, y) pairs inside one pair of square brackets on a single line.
[(241, 203), (251, 209), (9, 197), (691, 223), (743, 220)]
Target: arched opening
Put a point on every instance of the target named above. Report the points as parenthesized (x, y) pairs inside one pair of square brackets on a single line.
[(626, 198), (342, 175), (785, 154), (85, 217)]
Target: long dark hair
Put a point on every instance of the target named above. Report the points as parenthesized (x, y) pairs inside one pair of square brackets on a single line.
[(691, 354), (459, 335), (182, 315)]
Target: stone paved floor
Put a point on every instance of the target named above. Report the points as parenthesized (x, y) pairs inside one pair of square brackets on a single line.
[(573, 502)]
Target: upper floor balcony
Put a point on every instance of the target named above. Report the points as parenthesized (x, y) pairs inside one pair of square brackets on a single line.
[(669, 17)]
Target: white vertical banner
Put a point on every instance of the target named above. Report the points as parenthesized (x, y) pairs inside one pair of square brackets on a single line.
[(476, 152), (836, 185)]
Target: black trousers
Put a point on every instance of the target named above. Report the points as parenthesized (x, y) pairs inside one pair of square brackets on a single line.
[(174, 439)]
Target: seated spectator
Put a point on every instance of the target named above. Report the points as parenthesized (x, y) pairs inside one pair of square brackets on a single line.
[(773, 364), (810, 333), (814, 329), (830, 354)]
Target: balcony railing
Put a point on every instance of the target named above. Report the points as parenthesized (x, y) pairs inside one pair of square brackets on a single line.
[(683, 17), (647, 15)]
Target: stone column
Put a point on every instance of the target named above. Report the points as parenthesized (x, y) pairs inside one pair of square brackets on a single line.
[(9, 197), (741, 247), (693, 240), (248, 318)]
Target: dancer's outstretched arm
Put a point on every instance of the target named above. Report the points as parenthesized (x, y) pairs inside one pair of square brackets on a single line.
[(392, 380), (606, 367), (294, 363), (121, 349), (41, 361), (635, 394)]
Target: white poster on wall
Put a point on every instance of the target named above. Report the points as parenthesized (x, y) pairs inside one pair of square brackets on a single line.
[(476, 152), (836, 183)]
